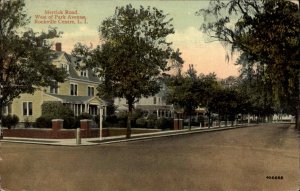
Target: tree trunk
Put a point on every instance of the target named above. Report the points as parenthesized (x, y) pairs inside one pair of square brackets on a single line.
[(219, 119), (298, 104), (209, 120), (1, 129), (129, 118), (190, 119), (128, 131)]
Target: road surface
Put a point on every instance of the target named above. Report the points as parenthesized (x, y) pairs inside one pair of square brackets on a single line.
[(236, 160)]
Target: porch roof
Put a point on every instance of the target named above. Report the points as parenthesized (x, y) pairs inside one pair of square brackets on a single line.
[(77, 99)]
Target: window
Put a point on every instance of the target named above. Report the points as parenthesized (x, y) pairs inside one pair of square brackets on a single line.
[(154, 100), (84, 73), (7, 109), (73, 88), (54, 87), (65, 67), (90, 91), (27, 108)]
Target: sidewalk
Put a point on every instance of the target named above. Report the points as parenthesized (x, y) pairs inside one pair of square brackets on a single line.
[(117, 139)]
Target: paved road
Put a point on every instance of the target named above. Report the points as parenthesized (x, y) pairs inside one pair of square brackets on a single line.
[(239, 159)]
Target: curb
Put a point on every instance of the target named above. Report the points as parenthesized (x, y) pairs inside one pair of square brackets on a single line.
[(136, 137)]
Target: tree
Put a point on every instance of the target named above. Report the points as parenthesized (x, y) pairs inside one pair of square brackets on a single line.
[(134, 54), (266, 33), (189, 91), (226, 102), (183, 91), (25, 56)]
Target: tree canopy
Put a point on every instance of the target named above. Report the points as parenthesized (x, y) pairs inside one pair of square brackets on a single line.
[(134, 53), (25, 56), (189, 91), (266, 34)]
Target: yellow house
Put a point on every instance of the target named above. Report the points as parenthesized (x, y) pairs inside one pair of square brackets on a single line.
[(78, 91)]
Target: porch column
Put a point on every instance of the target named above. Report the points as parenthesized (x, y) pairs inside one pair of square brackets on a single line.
[(86, 108), (105, 111)]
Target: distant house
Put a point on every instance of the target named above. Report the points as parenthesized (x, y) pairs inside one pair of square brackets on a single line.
[(152, 105), (77, 92)]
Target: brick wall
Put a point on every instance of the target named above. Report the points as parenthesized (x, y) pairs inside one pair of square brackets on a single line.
[(68, 133)]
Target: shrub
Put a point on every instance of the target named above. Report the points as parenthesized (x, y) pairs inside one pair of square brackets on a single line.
[(137, 113), (10, 120), (15, 120), (141, 123), (164, 123), (56, 110), (70, 123), (122, 115), (122, 118), (111, 119), (151, 121), (85, 116), (43, 122)]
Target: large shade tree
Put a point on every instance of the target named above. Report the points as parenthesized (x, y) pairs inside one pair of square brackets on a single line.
[(266, 32), (134, 54), (25, 56), (189, 90)]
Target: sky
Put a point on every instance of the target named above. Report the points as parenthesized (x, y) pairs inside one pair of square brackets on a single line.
[(205, 56)]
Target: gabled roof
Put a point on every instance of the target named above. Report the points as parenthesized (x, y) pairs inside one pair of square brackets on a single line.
[(73, 63)]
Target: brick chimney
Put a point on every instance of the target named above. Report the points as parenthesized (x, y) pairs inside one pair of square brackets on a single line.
[(58, 46)]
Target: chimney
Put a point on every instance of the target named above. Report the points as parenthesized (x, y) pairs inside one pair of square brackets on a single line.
[(58, 46)]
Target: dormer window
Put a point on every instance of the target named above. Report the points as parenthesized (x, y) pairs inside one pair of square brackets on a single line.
[(84, 73), (54, 87), (65, 67)]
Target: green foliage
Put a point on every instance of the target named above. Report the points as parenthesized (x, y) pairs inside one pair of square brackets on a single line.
[(151, 120), (266, 33), (56, 110), (141, 123), (189, 91), (10, 121), (111, 109), (137, 113), (25, 56), (43, 122), (85, 116), (122, 118), (122, 115), (164, 123), (71, 122), (134, 54)]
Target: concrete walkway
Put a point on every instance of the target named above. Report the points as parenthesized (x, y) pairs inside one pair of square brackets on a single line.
[(116, 139)]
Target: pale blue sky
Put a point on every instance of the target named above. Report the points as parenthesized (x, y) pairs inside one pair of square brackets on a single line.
[(206, 57)]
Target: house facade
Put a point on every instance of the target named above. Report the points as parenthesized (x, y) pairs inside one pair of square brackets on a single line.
[(151, 105), (78, 91)]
